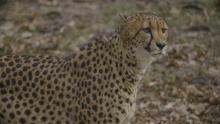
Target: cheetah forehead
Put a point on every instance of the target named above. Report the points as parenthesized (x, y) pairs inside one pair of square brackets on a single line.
[(145, 18), (140, 15)]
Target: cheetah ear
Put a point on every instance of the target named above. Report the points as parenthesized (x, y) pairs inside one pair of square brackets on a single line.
[(123, 17)]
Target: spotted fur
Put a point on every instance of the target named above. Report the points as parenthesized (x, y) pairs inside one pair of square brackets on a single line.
[(96, 85)]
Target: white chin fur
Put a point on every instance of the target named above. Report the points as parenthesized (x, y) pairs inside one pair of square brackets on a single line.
[(144, 59), (164, 51)]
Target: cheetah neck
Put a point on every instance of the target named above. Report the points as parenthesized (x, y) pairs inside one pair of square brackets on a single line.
[(110, 53), (133, 62)]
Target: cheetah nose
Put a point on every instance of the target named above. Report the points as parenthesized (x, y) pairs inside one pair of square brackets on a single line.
[(160, 45)]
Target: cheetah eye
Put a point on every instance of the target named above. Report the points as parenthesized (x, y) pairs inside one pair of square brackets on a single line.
[(147, 30), (164, 30)]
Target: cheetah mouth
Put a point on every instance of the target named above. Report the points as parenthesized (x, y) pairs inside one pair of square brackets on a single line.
[(159, 53), (152, 52)]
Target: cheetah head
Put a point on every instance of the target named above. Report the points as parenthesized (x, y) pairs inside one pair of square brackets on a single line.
[(145, 33)]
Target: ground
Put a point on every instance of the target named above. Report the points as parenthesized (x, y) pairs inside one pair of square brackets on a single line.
[(181, 88)]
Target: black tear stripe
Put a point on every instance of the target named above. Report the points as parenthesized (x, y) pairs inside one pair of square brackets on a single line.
[(149, 43), (151, 38), (136, 34)]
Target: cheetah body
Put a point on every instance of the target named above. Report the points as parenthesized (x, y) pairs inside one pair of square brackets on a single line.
[(96, 85)]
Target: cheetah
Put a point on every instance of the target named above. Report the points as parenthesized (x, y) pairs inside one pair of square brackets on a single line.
[(96, 85)]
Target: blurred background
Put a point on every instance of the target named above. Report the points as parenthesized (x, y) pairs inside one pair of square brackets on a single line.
[(181, 88)]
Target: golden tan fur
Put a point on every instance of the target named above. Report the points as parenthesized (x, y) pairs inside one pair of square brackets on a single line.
[(96, 85)]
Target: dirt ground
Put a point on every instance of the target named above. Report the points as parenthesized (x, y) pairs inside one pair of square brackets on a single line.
[(181, 88)]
